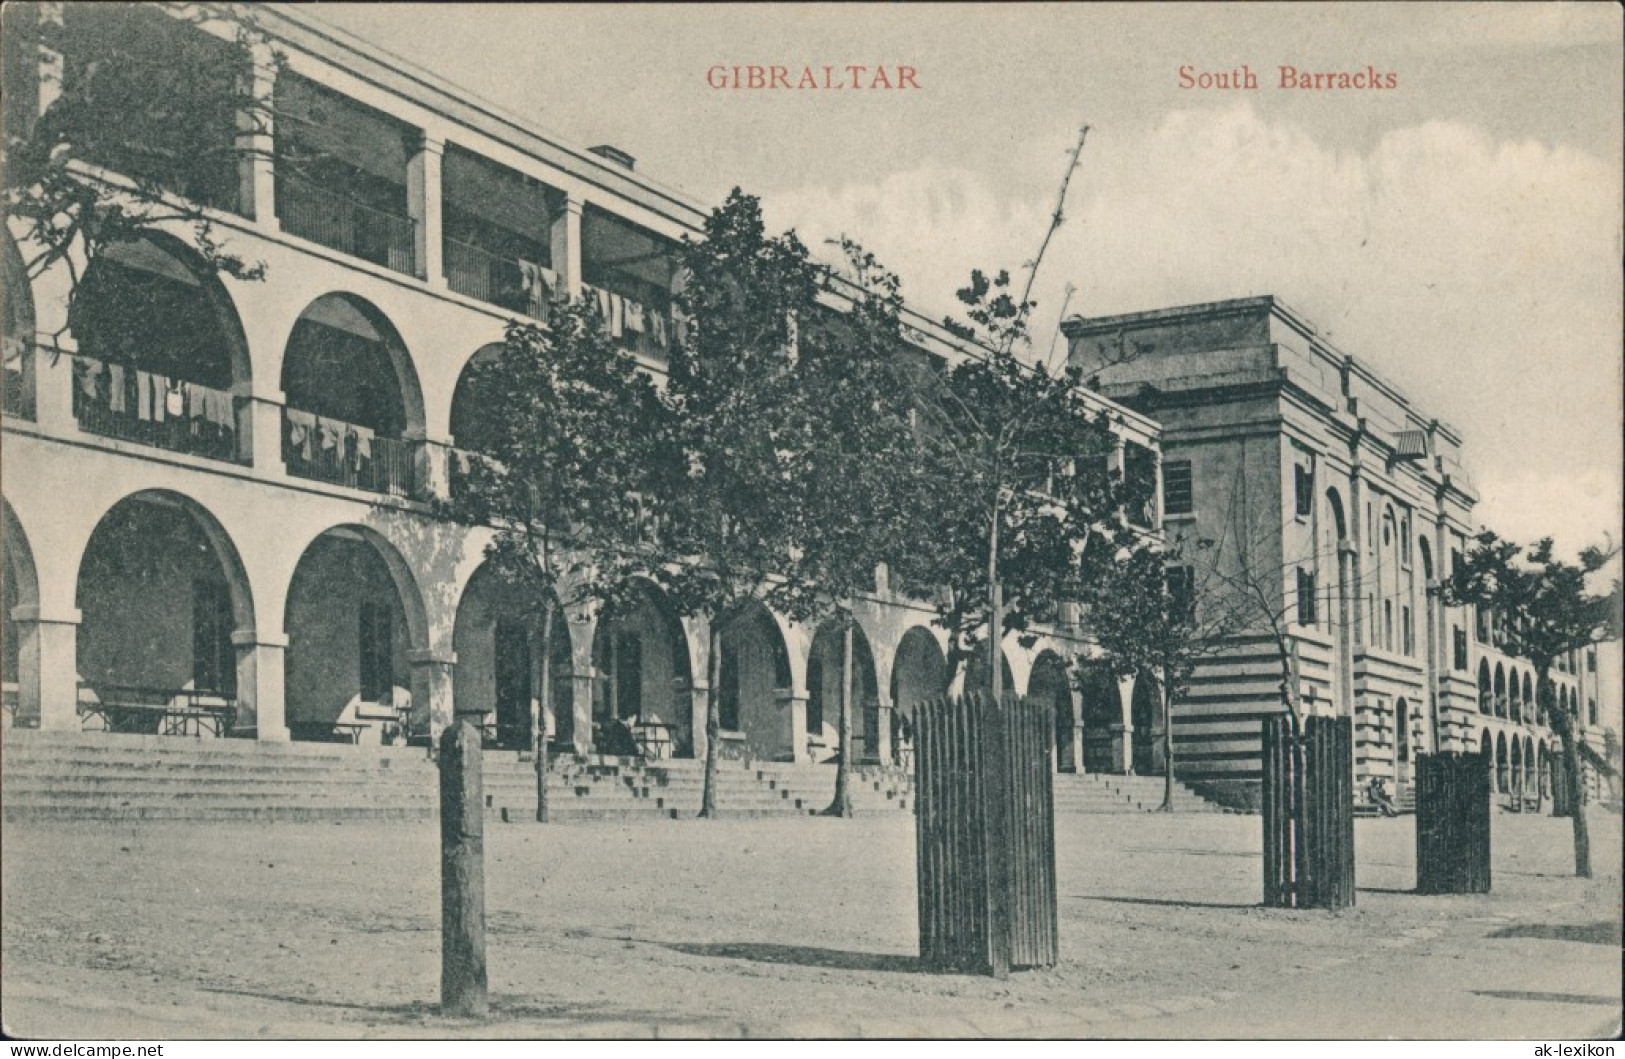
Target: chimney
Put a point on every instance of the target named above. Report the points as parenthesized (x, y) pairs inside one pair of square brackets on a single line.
[(614, 154)]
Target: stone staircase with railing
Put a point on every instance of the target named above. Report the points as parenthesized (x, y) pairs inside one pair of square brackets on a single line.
[(1106, 793), (72, 776)]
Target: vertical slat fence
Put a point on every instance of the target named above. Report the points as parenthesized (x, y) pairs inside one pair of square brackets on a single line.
[(1308, 795), (985, 835), (1452, 823)]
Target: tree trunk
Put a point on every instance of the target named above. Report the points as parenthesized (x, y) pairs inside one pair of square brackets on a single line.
[(1167, 748), (713, 721), (995, 611), (842, 805), (1563, 724), (538, 724)]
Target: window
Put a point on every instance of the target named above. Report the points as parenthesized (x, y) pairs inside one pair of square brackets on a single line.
[(214, 662), (628, 674), (1591, 661), (1482, 625), (1459, 641), (1303, 482), (377, 653), (1406, 631), (1140, 477), (1387, 625), (1306, 597), (1591, 711), (1177, 497), (728, 697)]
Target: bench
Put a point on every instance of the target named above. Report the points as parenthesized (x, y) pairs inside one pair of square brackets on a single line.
[(194, 718)]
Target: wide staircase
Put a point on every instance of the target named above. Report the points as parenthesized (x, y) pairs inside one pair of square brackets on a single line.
[(67, 776), (1105, 793)]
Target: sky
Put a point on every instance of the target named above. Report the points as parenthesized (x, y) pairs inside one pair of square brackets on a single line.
[(1460, 231)]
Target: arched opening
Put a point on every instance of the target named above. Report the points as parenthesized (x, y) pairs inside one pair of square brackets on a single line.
[(162, 357), (1402, 741), (19, 587), (1515, 777), (498, 637), (160, 592), (1514, 698), (472, 426), (1101, 709), (918, 673), (1387, 578), (1049, 684), (1500, 691), (17, 332), (354, 413), (976, 673), (1502, 765), (642, 691), (353, 618), (825, 669), (1486, 694), (1528, 700), (1531, 781), (754, 674), (1147, 720), (1544, 778)]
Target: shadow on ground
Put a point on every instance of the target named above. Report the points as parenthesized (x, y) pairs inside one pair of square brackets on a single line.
[(503, 1007), (802, 955), (1162, 902), (1547, 998), (1603, 932)]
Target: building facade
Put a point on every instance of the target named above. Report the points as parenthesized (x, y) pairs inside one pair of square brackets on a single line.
[(217, 495), (1296, 471)]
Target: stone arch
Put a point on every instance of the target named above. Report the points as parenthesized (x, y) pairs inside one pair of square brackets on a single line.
[(357, 631), (151, 303), (1530, 778), (1146, 718), (498, 638), (1515, 770), (919, 673), (1502, 779), (756, 683), (165, 604), (19, 589), (1514, 697), (640, 656), (467, 423), (1500, 690), (1486, 692), (975, 676), (1100, 708), (824, 671), (346, 362), (1050, 683), (1528, 700)]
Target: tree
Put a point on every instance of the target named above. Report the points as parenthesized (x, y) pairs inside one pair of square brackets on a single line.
[(151, 117), (851, 505), (735, 433), (561, 470), (1155, 612), (1548, 612), (1014, 493)]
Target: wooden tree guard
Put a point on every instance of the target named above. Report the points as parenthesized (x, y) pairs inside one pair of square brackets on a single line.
[(1452, 823), (986, 835), (462, 873), (1308, 813)]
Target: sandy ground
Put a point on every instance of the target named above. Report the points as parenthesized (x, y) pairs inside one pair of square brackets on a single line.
[(785, 928)]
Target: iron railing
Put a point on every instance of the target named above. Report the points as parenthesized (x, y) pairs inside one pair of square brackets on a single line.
[(375, 235), (130, 404), (502, 281), (330, 450)]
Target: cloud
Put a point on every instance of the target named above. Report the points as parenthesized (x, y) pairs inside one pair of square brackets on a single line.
[(1481, 276)]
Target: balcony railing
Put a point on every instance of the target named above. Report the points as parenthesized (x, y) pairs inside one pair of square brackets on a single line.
[(19, 379), (322, 217), (118, 401), (516, 285), (642, 329), (330, 450)]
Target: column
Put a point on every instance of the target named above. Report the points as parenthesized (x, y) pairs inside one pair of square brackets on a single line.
[(423, 199), (583, 683), (432, 691), (47, 668), (261, 702), (259, 419), (53, 388), (1074, 736), (1122, 733), (792, 710), (881, 751), (256, 144), (567, 244), (434, 470), (699, 696)]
